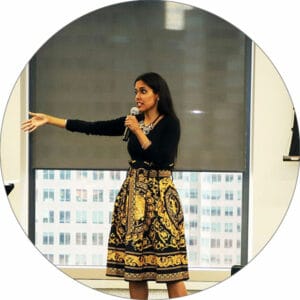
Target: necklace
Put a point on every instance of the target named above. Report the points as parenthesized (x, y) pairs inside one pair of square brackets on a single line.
[(147, 128)]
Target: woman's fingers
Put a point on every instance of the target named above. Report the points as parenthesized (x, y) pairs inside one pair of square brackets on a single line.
[(27, 127)]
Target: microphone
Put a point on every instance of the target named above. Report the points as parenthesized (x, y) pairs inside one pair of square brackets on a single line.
[(134, 111)]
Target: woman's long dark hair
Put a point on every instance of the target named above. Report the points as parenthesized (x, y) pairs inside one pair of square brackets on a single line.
[(159, 86)]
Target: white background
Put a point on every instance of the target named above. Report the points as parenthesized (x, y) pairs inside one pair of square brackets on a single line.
[(26, 25)]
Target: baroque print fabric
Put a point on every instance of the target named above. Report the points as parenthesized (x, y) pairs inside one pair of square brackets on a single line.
[(147, 239)]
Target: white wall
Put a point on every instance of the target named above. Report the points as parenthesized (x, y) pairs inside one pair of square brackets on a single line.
[(273, 180), (14, 149)]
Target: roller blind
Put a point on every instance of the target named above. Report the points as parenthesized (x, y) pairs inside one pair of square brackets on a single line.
[(86, 71)]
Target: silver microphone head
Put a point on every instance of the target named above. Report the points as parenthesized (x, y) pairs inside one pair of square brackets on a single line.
[(134, 111)]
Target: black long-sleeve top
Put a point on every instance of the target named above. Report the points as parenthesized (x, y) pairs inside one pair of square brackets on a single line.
[(164, 137)]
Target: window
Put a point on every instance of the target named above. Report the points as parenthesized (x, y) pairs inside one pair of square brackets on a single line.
[(48, 195), (115, 175), (229, 177), (83, 174), (194, 177), (193, 193), (98, 195), (48, 174), (228, 227), (48, 217), (228, 259), (81, 217), (97, 238), (98, 217), (65, 195), (64, 259), (97, 259), (194, 209), (81, 238), (216, 178), (228, 243), (215, 243), (50, 257), (81, 195), (112, 195), (98, 175), (64, 216), (193, 224), (228, 211), (64, 238), (65, 175), (215, 227), (48, 238), (80, 260), (216, 211), (229, 195)]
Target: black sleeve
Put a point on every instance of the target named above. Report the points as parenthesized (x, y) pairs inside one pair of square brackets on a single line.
[(110, 128), (163, 149)]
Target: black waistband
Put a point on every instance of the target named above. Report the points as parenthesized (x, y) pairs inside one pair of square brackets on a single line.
[(136, 164)]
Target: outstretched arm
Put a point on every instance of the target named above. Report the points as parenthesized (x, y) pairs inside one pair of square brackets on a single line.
[(39, 119)]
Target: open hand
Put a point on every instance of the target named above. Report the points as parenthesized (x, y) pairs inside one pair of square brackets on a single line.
[(36, 121)]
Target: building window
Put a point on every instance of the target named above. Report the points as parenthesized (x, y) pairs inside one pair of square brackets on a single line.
[(50, 257), (97, 195), (228, 227), (228, 259), (48, 195), (193, 241), (65, 175), (194, 177), (216, 211), (48, 217), (81, 174), (215, 243), (81, 217), (64, 238), (229, 195), (215, 227), (194, 209), (229, 177), (65, 195), (64, 216), (193, 224), (64, 259), (228, 211), (98, 175), (115, 175), (97, 217), (97, 259), (97, 239), (81, 238), (228, 243), (81, 195), (112, 195), (48, 238), (80, 260), (48, 174), (193, 193)]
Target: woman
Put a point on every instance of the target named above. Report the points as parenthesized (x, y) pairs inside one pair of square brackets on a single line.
[(147, 239)]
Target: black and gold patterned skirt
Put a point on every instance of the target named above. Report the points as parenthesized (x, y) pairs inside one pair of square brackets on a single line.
[(147, 239)]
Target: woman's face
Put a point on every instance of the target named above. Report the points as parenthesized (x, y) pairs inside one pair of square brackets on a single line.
[(145, 98)]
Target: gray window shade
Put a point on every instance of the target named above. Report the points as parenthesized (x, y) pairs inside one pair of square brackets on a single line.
[(86, 71)]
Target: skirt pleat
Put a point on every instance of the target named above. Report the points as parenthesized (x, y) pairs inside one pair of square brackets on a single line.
[(147, 240)]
